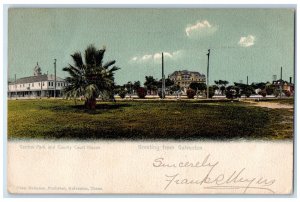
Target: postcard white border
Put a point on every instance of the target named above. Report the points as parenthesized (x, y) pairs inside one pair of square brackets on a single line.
[(4, 71)]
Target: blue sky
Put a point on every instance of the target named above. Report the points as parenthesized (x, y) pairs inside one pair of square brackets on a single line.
[(253, 42)]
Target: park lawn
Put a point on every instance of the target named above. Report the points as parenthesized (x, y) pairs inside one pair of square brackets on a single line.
[(287, 101), (146, 120)]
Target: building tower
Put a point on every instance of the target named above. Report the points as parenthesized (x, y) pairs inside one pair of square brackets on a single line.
[(37, 70)]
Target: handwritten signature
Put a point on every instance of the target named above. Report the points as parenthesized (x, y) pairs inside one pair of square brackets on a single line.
[(211, 180)]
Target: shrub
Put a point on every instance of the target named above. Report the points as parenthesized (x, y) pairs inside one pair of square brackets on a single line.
[(223, 88), (211, 92), (232, 92), (237, 92), (270, 89), (229, 94), (263, 93), (190, 93), (276, 93), (248, 93), (141, 92), (287, 93), (122, 93)]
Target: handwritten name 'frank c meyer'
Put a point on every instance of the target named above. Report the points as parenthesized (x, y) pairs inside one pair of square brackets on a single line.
[(236, 179)]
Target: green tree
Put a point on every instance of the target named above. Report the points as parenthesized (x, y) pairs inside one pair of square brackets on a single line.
[(198, 86), (270, 89), (248, 91), (174, 88), (263, 93), (245, 89), (168, 83), (136, 85), (232, 92), (211, 91), (90, 78), (222, 85), (129, 87), (218, 84), (260, 85), (151, 84), (122, 93), (223, 88)]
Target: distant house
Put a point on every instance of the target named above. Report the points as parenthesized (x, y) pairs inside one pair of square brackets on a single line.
[(38, 85), (184, 78), (286, 86)]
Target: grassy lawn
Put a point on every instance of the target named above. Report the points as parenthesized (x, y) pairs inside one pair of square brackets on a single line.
[(289, 101), (188, 120)]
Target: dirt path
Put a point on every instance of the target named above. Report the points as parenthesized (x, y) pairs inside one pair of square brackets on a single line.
[(283, 129), (271, 105)]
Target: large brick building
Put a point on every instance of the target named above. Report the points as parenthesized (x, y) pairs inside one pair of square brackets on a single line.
[(184, 78)]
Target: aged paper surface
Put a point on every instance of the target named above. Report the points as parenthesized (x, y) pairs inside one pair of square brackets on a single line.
[(150, 101), (150, 167)]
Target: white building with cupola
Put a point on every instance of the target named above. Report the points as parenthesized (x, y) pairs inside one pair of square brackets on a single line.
[(38, 85)]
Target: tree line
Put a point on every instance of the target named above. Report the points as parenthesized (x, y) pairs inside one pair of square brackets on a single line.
[(90, 77)]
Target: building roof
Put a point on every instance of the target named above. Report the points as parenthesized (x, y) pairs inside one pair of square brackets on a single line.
[(186, 72), (278, 82), (43, 77)]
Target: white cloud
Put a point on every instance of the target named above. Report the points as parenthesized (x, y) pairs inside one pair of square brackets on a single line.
[(134, 59), (156, 56), (170, 55), (147, 57), (246, 41), (177, 53), (201, 28)]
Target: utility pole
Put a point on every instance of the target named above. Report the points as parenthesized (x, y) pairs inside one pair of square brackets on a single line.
[(163, 77), (247, 81), (207, 85), (54, 78), (41, 86), (281, 83), (16, 85), (130, 91)]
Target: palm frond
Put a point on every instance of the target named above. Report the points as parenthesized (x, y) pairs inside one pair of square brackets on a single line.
[(91, 91), (73, 71), (108, 64), (77, 60), (114, 68), (99, 57), (89, 55)]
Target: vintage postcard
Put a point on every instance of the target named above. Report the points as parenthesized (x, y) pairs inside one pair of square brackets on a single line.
[(150, 100)]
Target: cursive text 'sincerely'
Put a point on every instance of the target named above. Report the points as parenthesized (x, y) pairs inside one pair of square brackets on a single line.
[(210, 179)]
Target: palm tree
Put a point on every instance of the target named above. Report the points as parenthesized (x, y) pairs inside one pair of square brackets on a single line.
[(90, 79)]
